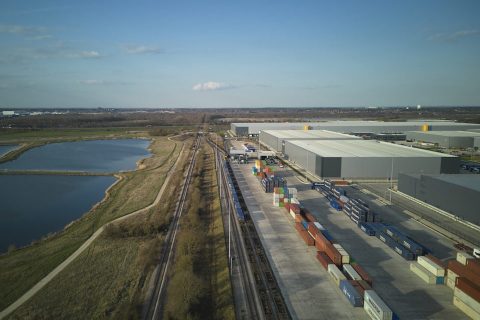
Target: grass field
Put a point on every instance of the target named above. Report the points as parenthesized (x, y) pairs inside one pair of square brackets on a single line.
[(22, 268), (42, 134), (110, 278), (199, 287)]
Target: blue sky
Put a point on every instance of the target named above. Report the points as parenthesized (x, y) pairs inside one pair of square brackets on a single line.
[(239, 53)]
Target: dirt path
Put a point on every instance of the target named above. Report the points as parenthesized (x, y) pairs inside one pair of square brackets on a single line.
[(32, 291)]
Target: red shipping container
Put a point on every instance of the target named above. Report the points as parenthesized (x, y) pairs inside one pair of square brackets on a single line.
[(436, 260), (312, 229), (357, 287), (305, 211), (295, 208), (365, 285), (473, 265), (333, 253), (287, 206), (468, 287), (307, 238), (340, 182), (299, 227), (324, 259), (462, 271), (362, 273), (310, 217), (320, 241)]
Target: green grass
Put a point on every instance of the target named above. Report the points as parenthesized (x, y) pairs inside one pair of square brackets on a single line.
[(21, 269), (39, 134)]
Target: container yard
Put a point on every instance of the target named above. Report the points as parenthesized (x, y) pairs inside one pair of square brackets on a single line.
[(362, 268), (366, 159)]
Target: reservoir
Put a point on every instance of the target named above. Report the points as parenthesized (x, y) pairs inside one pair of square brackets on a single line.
[(93, 156), (7, 148), (32, 206)]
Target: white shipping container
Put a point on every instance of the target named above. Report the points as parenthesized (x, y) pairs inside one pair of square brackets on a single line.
[(450, 283), (351, 272), (292, 214), (375, 307), (336, 274), (343, 253), (452, 275), (465, 309), (294, 200), (344, 199), (319, 226), (462, 257), (465, 298), (431, 266), (423, 273)]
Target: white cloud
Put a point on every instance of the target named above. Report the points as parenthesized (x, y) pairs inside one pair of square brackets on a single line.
[(90, 55), (211, 86), (454, 36), (142, 49)]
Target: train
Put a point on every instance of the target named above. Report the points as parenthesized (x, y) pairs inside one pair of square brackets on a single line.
[(240, 213)]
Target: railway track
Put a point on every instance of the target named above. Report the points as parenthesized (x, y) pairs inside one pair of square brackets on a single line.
[(154, 308), (261, 289)]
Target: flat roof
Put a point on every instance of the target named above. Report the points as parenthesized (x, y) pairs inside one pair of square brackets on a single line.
[(313, 134), (363, 148), (357, 123), (466, 134)]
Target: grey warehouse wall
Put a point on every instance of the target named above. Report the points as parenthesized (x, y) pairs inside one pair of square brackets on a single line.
[(302, 157), (458, 200)]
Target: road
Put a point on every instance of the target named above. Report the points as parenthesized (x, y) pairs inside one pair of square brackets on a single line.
[(32, 291)]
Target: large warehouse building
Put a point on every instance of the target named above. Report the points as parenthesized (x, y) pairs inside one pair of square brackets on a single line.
[(254, 128), (275, 139), (366, 159), (447, 139), (458, 194)]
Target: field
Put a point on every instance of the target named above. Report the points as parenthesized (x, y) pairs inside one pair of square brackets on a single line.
[(109, 279), (199, 286), (22, 268)]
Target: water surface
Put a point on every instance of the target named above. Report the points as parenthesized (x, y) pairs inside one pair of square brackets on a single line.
[(7, 148), (31, 206), (94, 156)]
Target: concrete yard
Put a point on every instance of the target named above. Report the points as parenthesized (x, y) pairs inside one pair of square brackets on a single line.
[(407, 295), (307, 288)]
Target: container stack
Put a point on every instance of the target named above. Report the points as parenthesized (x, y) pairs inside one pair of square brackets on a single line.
[(279, 196), (428, 270), (463, 276), (375, 307), (269, 183)]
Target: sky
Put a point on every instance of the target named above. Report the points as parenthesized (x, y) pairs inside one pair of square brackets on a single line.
[(234, 54)]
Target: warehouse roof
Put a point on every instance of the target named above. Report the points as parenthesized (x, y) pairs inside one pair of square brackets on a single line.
[(362, 148), (449, 133), (314, 134)]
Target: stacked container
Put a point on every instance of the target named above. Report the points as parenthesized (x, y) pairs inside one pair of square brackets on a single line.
[(375, 307), (463, 276), (351, 273), (279, 196), (428, 270), (351, 293), (336, 274), (343, 253)]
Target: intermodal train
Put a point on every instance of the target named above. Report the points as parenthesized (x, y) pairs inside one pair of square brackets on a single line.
[(241, 215)]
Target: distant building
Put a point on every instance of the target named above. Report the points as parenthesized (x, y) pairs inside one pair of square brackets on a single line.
[(8, 113), (447, 139)]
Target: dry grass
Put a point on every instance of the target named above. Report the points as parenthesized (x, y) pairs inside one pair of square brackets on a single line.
[(21, 269)]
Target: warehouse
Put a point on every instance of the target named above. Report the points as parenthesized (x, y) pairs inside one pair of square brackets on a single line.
[(366, 159), (458, 194), (275, 139), (254, 128), (447, 139)]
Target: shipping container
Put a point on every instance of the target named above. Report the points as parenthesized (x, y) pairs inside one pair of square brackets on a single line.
[(327, 235), (309, 241), (437, 261), (473, 265), (465, 309), (335, 274), (343, 253), (324, 259), (365, 276), (320, 242), (351, 273), (365, 227), (431, 266), (319, 226), (462, 257), (375, 307), (305, 224), (470, 288), (458, 269), (352, 295), (468, 300), (450, 282), (335, 205), (310, 217), (333, 254), (365, 285), (404, 252), (423, 273)]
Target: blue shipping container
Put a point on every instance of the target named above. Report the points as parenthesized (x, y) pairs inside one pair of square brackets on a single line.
[(327, 235), (351, 293), (305, 225)]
